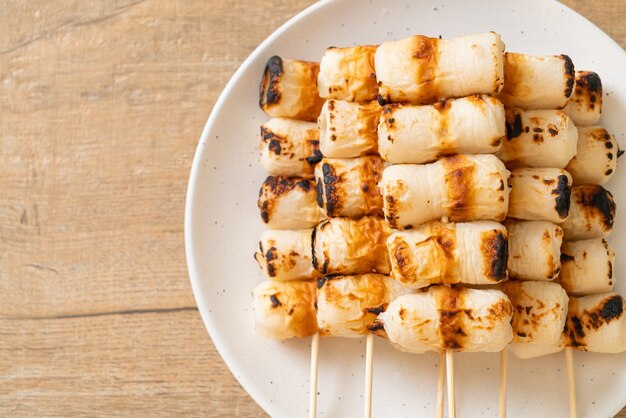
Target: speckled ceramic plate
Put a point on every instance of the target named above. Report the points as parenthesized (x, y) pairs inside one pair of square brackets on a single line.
[(222, 225)]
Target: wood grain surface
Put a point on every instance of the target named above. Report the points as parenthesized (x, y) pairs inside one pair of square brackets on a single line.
[(101, 108)]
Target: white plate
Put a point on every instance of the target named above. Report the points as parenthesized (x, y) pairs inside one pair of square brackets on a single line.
[(222, 225)]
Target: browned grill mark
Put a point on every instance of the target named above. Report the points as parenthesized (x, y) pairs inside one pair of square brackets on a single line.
[(275, 186), (272, 139), (369, 114), (568, 68), (275, 302), (588, 90), (439, 246), (403, 257), (376, 326), (562, 196), (580, 324), (269, 90), (425, 52), (391, 211), (597, 202), (452, 319), (443, 109), (314, 260), (331, 183), (603, 201), (314, 155), (495, 251), (459, 182), (319, 187), (553, 130), (382, 101), (612, 309), (334, 192), (566, 258), (321, 281)]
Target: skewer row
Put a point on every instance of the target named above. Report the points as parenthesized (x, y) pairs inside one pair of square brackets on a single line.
[(330, 184)]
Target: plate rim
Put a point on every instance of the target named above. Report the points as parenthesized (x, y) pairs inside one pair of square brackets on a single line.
[(189, 212)]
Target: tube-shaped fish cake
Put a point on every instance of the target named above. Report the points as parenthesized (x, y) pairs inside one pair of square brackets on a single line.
[(592, 213), (461, 319), (285, 309), (421, 134), (289, 203), (348, 129), (596, 157), (289, 147), (585, 104), (286, 255), (349, 187), (288, 89), (532, 82), (587, 266), (423, 70), (432, 253), (540, 312), (461, 187), (534, 249), (349, 246), (348, 74), (596, 323), (538, 138), (348, 305), (540, 194)]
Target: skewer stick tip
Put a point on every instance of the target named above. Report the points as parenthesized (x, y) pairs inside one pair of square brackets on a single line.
[(503, 382), (451, 386), (440, 384), (369, 362), (569, 361), (315, 344)]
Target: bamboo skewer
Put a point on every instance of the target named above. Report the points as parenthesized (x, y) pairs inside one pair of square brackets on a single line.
[(450, 381), (440, 384), (315, 344), (503, 382), (450, 368), (569, 361), (369, 363)]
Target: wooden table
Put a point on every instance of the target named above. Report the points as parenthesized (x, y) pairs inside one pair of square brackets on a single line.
[(101, 107)]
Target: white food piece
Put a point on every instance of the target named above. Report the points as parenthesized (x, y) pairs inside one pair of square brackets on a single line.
[(348, 129), (540, 194), (596, 323), (461, 187), (540, 311), (534, 249), (423, 70), (286, 255), (351, 246), (592, 212), (289, 147), (587, 267), (433, 253), (348, 305), (585, 104), (349, 187), (596, 157), (421, 134), (285, 309), (532, 82), (289, 203), (348, 74), (538, 138), (288, 89), (460, 319)]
